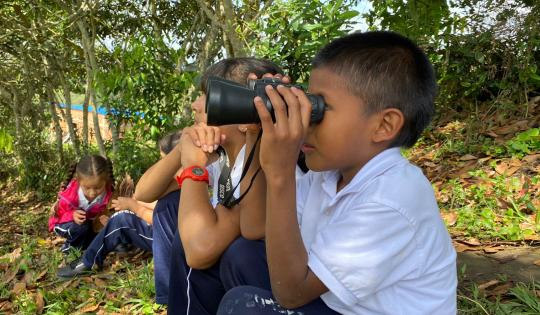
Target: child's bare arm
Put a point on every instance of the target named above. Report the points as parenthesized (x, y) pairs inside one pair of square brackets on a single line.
[(293, 283), (205, 232), (141, 209), (158, 180)]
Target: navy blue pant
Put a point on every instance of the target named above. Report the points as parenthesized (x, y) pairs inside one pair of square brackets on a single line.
[(78, 236), (249, 300), (165, 222), (199, 292), (124, 227)]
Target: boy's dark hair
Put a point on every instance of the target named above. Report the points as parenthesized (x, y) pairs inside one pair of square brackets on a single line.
[(169, 141), (92, 165), (386, 70), (237, 69)]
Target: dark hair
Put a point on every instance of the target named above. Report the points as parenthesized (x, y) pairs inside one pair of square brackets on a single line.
[(92, 165), (238, 69), (386, 70), (169, 141)]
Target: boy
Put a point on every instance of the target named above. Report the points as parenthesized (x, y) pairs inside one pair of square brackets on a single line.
[(362, 231), (190, 268)]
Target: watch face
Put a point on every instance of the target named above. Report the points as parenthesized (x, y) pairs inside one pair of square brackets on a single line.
[(198, 171)]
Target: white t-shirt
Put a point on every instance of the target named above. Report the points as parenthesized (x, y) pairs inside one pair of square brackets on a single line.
[(379, 244), (214, 171), (83, 202)]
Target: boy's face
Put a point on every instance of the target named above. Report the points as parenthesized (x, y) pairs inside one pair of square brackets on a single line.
[(198, 108), (199, 115), (343, 140)]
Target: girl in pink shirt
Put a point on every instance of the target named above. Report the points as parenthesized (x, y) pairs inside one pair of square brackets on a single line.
[(82, 199)]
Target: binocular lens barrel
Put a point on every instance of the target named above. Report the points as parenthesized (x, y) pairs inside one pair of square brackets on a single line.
[(228, 102)]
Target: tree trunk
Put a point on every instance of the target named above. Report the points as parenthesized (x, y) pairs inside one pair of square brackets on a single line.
[(91, 68), (97, 130), (229, 28), (85, 111), (56, 122), (69, 117)]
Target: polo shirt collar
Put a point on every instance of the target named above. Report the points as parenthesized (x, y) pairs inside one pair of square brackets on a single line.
[(373, 168)]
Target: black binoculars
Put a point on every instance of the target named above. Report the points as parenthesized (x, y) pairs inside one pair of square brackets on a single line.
[(228, 102)]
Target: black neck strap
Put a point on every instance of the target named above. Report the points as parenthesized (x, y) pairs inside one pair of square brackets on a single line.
[(229, 201)]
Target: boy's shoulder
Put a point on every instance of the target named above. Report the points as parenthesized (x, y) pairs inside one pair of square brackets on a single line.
[(389, 179)]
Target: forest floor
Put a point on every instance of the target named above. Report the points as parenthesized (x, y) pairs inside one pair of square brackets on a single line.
[(485, 172)]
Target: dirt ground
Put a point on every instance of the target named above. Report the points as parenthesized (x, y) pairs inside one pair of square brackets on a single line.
[(487, 265), (517, 264)]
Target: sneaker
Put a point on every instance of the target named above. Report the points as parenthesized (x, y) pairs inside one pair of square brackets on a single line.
[(73, 269)]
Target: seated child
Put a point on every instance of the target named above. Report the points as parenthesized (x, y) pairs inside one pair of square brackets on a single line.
[(205, 225), (85, 196), (361, 232), (132, 224)]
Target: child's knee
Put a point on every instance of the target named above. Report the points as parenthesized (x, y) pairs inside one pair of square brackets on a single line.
[(121, 218), (242, 254), (244, 300)]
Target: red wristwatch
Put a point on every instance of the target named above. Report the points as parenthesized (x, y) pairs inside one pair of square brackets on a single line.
[(196, 173)]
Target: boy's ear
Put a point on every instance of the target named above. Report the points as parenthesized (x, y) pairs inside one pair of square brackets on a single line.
[(391, 122)]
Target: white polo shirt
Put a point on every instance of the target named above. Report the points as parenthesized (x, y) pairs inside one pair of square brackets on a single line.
[(379, 244), (214, 171)]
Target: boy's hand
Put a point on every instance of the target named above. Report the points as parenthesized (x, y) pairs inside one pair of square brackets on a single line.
[(103, 219), (281, 141), (79, 216), (284, 78), (123, 203), (196, 152), (208, 138)]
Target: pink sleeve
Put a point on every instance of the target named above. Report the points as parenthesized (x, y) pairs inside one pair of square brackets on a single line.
[(66, 216)]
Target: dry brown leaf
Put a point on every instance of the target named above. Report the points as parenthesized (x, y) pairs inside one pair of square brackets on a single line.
[(57, 241), (10, 275), (488, 284), (499, 290), (14, 255), (531, 158), (41, 274), (459, 247), (537, 262), (492, 250), (89, 308), (468, 157), (471, 241), (40, 302), (18, 288), (5, 306), (99, 283), (482, 160), (532, 237), (449, 217)]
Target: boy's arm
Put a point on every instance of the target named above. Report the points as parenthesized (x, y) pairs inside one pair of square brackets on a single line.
[(141, 209), (205, 232), (253, 205), (158, 180), (293, 283)]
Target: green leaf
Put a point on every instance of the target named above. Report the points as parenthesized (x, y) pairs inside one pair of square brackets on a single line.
[(348, 15)]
